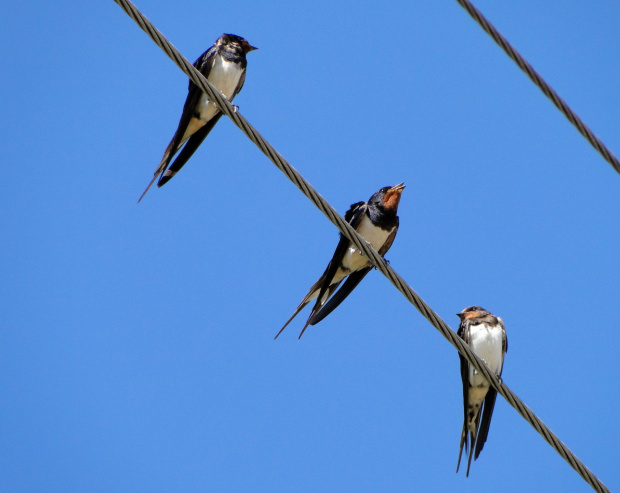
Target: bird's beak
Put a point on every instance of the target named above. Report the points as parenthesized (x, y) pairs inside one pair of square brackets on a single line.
[(397, 188), (249, 48), (466, 315)]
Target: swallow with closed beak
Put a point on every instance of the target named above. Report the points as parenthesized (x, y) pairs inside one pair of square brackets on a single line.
[(486, 335), (224, 66)]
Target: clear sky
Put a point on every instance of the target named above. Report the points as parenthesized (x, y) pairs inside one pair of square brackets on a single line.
[(137, 349)]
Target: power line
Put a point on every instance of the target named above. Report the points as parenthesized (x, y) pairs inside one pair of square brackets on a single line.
[(542, 85), (346, 229)]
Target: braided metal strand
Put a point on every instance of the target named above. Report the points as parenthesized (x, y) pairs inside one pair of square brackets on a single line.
[(541, 84)]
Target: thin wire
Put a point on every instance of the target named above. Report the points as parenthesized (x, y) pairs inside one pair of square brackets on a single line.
[(542, 85), (346, 229)]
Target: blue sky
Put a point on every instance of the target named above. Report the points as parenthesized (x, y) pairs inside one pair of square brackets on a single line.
[(137, 349)]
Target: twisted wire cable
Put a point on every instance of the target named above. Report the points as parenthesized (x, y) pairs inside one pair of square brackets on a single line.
[(541, 84), (346, 229)]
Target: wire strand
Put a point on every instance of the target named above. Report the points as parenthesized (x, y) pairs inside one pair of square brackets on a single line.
[(541, 84), (346, 229)]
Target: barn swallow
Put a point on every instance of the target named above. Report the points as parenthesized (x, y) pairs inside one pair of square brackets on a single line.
[(486, 335), (224, 66), (377, 222)]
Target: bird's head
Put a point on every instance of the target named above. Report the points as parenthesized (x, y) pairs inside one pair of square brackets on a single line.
[(472, 312), (388, 198), (238, 41)]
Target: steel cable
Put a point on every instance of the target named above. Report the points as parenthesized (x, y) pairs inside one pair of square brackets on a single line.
[(542, 85)]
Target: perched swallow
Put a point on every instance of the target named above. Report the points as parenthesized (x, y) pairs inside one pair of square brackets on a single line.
[(224, 66), (377, 222), (486, 335)]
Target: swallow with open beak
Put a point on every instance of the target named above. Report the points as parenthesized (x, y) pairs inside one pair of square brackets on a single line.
[(486, 335), (224, 66), (377, 222)]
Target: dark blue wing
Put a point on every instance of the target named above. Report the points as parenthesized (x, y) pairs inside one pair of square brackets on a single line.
[(349, 285), (188, 150)]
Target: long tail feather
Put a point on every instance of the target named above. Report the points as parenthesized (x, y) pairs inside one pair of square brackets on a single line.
[(165, 160), (471, 453), (299, 308), (462, 444), (147, 188)]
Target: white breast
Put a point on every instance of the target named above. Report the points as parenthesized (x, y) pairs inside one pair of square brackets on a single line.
[(225, 77), (486, 342), (372, 234)]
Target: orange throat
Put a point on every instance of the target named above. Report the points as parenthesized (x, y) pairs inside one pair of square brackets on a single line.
[(391, 200)]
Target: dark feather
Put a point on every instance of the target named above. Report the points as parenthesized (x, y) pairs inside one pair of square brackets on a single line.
[(204, 63), (330, 290), (485, 420), (349, 285), (304, 302), (354, 217), (463, 333), (188, 150), (388, 243)]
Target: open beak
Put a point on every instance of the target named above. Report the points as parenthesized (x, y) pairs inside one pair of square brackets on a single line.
[(397, 188)]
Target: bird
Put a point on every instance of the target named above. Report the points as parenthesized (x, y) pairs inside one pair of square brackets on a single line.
[(223, 65), (486, 335), (377, 222)]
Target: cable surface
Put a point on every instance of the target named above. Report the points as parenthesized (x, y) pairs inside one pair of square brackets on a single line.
[(541, 84), (345, 228)]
